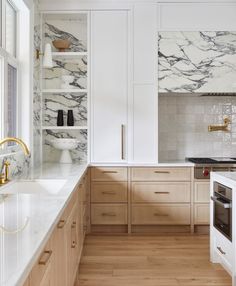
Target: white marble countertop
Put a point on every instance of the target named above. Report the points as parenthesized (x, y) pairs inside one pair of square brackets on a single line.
[(160, 164), (226, 178), (35, 216)]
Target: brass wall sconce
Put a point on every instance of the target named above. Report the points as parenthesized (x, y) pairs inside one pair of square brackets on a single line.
[(47, 56), (223, 127)]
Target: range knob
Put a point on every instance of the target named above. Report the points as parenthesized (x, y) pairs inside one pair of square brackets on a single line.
[(205, 172)]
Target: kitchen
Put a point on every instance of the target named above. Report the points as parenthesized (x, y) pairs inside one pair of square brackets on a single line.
[(113, 147)]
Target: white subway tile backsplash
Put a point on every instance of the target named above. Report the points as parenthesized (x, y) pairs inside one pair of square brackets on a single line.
[(183, 126)]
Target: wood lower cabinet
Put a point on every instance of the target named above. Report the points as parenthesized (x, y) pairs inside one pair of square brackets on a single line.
[(109, 198), (58, 263), (165, 214), (201, 202)]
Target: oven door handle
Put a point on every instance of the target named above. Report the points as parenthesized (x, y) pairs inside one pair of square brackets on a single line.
[(224, 205)]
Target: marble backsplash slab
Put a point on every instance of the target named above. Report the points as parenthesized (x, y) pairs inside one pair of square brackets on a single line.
[(197, 61), (65, 101), (52, 155)]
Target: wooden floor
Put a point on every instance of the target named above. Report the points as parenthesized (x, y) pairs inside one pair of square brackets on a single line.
[(149, 261)]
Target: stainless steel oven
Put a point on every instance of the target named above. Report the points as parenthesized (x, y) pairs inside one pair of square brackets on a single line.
[(222, 209)]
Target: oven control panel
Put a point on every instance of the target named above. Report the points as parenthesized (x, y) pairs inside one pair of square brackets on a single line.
[(203, 173)]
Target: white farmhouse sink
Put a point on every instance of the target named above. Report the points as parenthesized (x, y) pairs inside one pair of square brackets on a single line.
[(41, 186)]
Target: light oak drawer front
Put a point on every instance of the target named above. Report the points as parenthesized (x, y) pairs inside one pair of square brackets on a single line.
[(161, 214), (161, 192), (42, 266), (201, 192), (109, 174), (109, 214), (161, 174), (109, 192), (202, 214)]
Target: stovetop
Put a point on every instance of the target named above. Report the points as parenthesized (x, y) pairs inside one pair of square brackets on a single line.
[(213, 160)]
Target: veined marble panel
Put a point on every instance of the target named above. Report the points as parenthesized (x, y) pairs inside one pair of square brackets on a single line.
[(53, 155), (36, 154), (19, 164), (65, 101), (76, 67), (197, 61), (74, 30)]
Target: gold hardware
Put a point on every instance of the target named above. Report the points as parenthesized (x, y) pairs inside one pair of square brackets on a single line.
[(18, 141), (223, 127), (61, 223), (7, 164), (162, 193), (122, 141), (161, 172), (38, 54), (73, 245), (47, 254), (109, 172), (108, 214), (108, 193), (220, 250), (157, 214), (2, 179)]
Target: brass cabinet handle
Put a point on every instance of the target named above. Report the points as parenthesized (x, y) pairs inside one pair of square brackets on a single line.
[(220, 250), (108, 193), (61, 223), (108, 214), (45, 257), (109, 172), (164, 215), (122, 142), (162, 193), (73, 243), (161, 172)]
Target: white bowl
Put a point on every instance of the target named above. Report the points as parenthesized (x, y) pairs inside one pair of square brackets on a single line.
[(65, 144)]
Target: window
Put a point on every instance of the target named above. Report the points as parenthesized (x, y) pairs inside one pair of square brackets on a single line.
[(8, 71)]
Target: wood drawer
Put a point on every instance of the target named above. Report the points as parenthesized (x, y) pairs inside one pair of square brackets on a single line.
[(109, 192), (161, 174), (202, 214), (42, 266), (202, 192), (111, 214), (161, 214), (109, 174), (161, 192)]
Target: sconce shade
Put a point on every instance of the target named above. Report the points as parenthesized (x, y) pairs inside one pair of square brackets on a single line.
[(47, 59)]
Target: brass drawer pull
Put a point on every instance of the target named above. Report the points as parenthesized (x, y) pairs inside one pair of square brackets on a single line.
[(162, 193), (220, 250), (73, 245), (109, 172), (163, 215), (46, 255), (73, 224), (161, 172), (108, 193), (108, 214), (61, 223)]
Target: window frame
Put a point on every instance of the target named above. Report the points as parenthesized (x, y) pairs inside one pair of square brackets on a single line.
[(8, 59)]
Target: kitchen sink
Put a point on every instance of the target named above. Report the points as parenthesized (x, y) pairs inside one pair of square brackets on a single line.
[(40, 186)]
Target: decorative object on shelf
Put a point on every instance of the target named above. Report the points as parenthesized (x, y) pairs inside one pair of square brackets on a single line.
[(70, 118), (47, 56), (65, 145), (60, 118), (61, 45), (66, 81)]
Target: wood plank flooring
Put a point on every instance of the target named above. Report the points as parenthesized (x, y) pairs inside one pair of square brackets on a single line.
[(179, 260)]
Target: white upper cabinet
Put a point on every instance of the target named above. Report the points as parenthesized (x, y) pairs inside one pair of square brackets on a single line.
[(144, 103), (109, 86)]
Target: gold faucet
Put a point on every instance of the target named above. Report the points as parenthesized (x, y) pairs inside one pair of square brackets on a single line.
[(4, 177), (223, 127)]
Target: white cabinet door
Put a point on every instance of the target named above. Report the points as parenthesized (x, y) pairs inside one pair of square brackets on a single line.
[(109, 85)]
